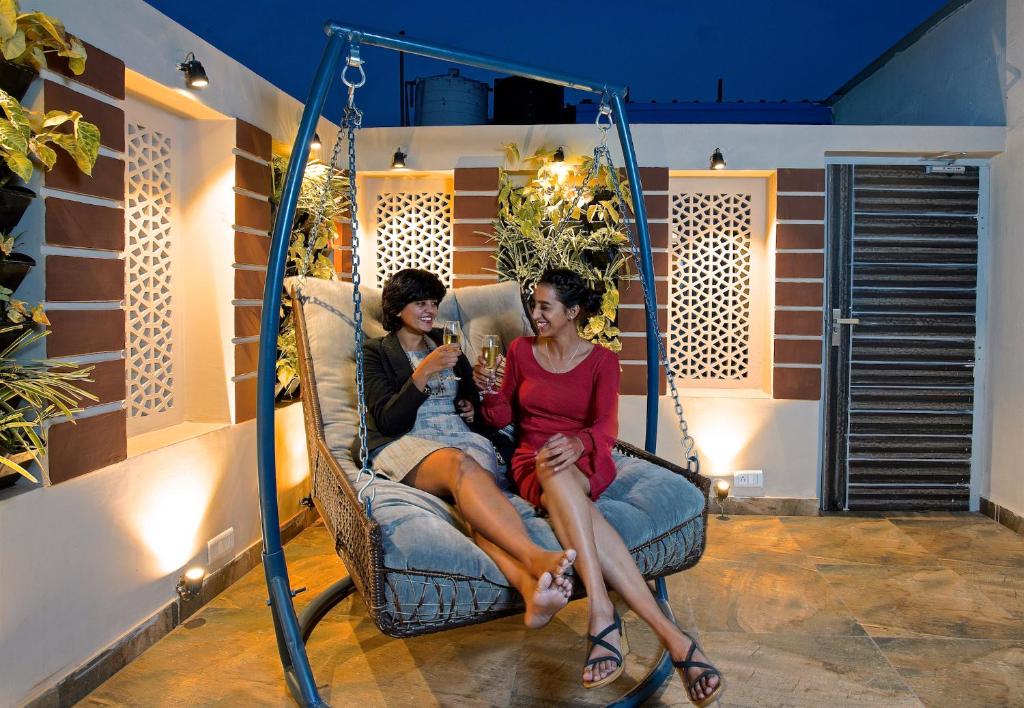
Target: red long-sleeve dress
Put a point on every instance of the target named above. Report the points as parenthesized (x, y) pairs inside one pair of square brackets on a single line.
[(582, 402)]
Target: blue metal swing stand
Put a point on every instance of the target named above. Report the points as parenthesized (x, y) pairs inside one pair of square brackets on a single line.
[(291, 635)]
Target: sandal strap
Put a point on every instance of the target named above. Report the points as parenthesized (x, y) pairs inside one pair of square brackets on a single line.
[(694, 665), (598, 660), (598, 641)]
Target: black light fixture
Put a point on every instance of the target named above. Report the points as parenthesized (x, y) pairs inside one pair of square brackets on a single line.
[(195, 74), (722, 488), (190, 584), (315, 143), (559, 155), (717, 160), (398, 161)]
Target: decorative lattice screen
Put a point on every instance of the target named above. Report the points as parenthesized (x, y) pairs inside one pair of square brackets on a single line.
[(150, 370), (709, 310), (414, 230)]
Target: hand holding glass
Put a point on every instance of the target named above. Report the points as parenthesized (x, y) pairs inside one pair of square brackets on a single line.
[(452, 335), (491, 351)]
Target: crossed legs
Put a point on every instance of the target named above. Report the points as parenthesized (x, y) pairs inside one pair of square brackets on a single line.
[(538, 574), (602, 561)]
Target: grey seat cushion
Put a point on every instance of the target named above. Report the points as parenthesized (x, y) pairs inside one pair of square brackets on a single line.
[(436, 574)]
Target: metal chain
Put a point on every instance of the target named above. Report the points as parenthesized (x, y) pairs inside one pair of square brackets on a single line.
[(591, 175), (318, 212), (351, 122), (689, 451)]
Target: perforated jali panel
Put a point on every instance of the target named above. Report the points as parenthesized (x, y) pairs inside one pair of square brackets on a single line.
[(150, 369), (414, 230), (709, 301)]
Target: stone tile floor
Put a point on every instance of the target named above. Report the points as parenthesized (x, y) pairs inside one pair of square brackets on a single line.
[(889, 610)]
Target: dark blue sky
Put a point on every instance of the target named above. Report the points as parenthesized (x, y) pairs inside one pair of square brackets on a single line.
[(661, 49)]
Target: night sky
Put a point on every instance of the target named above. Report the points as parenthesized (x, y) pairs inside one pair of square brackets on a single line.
[(661, 49)]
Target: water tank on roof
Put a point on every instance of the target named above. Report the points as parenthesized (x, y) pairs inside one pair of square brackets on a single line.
[(450, 99)]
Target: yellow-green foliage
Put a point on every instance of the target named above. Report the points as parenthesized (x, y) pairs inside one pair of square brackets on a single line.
[(26, 134), (563, 217), (26, 38)]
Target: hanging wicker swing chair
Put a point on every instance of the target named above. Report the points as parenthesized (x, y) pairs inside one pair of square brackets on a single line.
[(406, 551)]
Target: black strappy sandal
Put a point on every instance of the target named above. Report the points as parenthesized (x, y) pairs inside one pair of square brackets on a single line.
[(709, 670), (616, 654)]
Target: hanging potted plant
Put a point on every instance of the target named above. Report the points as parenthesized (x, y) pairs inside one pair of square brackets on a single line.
[(25, 41), (33, 393), (26, 138)]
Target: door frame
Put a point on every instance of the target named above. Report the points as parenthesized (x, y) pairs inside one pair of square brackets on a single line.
[(832, 492)]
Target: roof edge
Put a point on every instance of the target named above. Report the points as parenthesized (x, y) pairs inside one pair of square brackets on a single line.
[(907, 41)]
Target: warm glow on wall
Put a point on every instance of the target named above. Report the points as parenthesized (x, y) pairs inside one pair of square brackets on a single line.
[(722, 435), (168, 517)]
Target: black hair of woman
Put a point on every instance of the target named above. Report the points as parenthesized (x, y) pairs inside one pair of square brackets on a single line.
[(405, 286), (572, 290)]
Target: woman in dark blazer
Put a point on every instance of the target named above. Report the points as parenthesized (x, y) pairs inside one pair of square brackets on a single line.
[(424, 430)]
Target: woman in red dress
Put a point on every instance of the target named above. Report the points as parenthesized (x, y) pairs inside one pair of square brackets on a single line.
[(562, 393)]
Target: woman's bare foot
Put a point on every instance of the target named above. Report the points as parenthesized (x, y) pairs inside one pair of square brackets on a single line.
[(546, 600), (555, 562)]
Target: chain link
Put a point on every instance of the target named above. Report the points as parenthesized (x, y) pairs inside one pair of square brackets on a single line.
[(352, 122), (689, 451), (321, 207)]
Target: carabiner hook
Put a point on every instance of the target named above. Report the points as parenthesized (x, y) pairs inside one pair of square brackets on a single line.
[(353, 60)]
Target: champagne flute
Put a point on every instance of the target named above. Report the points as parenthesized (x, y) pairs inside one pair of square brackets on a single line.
[(452, 335), (491, 350)]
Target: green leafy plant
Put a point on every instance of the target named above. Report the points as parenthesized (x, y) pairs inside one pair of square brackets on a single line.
[(562, 216), (33, 393), (27, 135), (27, 38), (13, 310), (310, 251)]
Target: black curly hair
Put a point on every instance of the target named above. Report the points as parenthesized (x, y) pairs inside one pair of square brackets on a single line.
[(572, 290), (405, 286)]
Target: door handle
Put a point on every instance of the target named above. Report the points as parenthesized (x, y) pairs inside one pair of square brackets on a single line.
[(838, 320)]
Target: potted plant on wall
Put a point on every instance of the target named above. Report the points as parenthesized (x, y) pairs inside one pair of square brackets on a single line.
[(563, 217), (310, 254), (25, 41), (33, 393), (25, 139)]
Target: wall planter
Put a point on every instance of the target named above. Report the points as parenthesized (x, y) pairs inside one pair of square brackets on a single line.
[(15, 79), (14, 201), (8, 476), (13, 270)]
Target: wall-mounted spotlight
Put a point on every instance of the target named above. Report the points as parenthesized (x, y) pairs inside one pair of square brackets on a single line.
[(717, 160), (722, 488), (398, 161), (559, 155), (195, 74), (190, 584), (315, 143)]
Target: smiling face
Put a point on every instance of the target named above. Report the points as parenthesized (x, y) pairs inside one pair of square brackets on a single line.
[(419, 316), (549, 314)]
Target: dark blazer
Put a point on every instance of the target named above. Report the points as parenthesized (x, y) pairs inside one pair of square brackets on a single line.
[(392, 399)]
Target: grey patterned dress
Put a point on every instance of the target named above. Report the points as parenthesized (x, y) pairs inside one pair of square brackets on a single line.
[(438, 426)]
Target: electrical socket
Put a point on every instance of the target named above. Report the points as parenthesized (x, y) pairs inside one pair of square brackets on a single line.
[(220, 547), (748, 478), (748, 483)]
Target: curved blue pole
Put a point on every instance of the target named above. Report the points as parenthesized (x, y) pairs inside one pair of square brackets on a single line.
[(646, 266), (286, 626)]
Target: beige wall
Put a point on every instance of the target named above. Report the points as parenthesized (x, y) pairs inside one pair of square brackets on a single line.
[(1006, 292)]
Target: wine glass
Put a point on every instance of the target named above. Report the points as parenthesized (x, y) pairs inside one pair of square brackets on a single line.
[(452, 335), (491, 350)]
